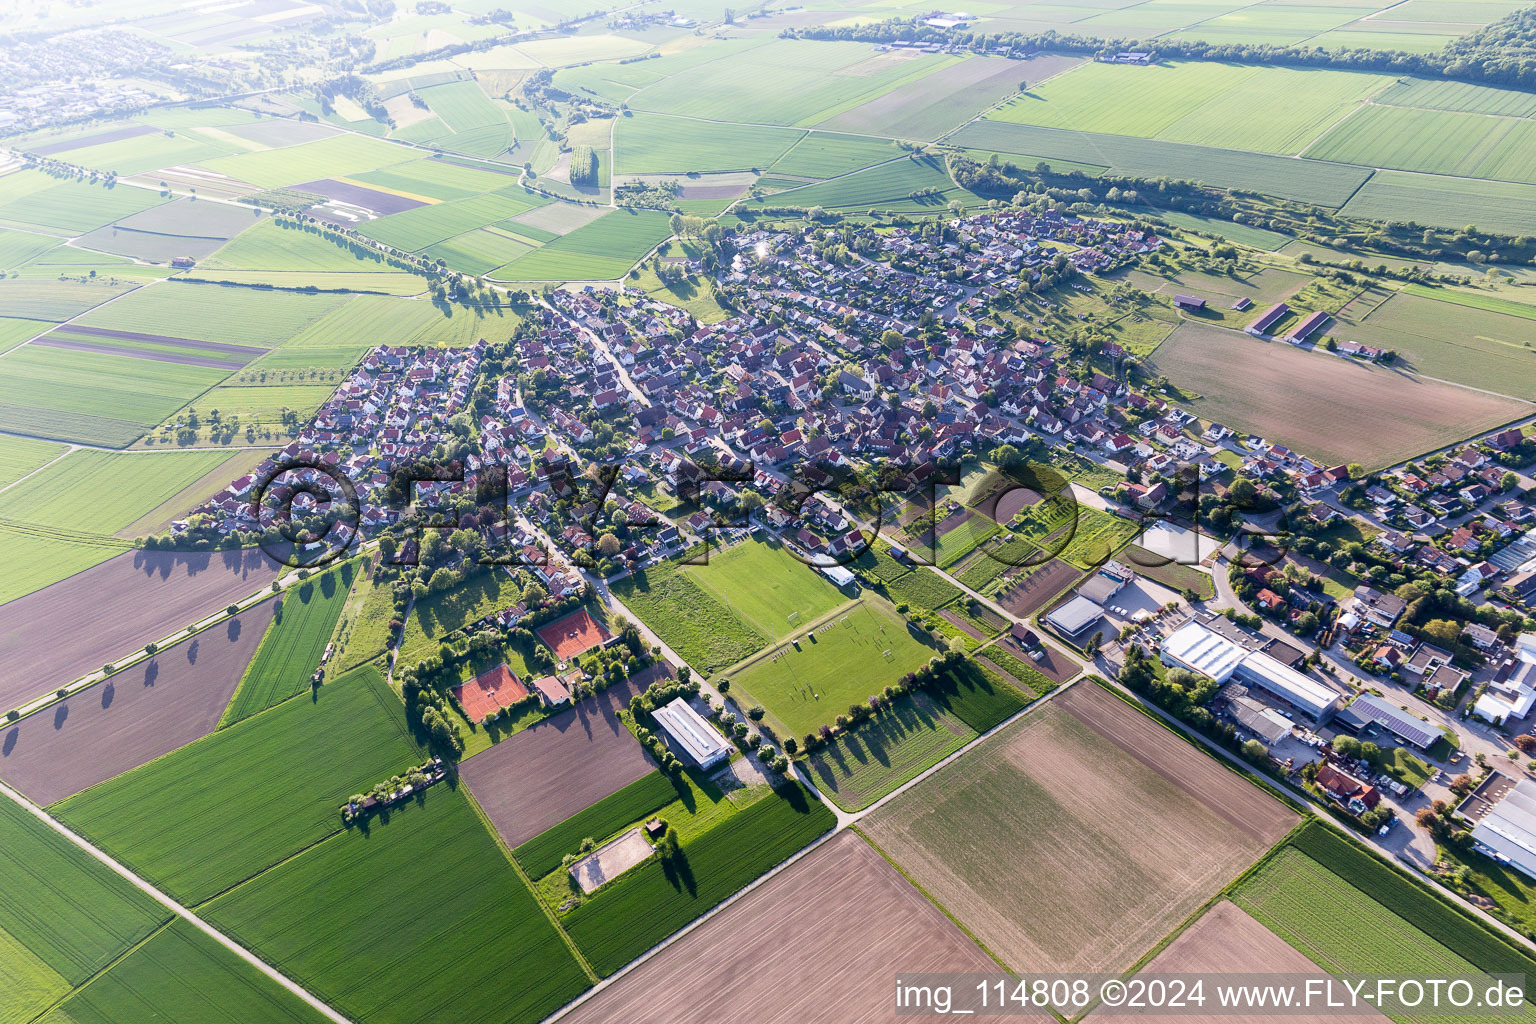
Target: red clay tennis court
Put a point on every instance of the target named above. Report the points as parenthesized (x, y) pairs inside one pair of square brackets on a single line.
[(489, 692), (574, 634)]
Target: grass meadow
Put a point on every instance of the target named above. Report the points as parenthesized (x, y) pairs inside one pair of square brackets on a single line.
[(808, 681), (763, 584), (687, 618), (232, 804), (864, 764)]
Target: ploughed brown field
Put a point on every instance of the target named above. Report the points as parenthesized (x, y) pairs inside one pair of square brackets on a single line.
[(535, 779), (1035, 590), (1078, 837), (75, 626), (134, 716), (822, 940), (1227, 941), (1333, 409)]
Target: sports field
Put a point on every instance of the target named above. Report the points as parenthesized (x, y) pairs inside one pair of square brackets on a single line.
[(176, 821), (290, 652), (418, 917), (763, 584), (1124, 828), (814, 676), (1332, 409), (574, 634)]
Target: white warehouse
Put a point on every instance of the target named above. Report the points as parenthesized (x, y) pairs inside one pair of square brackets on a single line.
[(689, 730), (1203, 650)]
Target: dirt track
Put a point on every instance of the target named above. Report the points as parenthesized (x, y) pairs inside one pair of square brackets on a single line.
[(799, 948), (133, 717), (64, 631)]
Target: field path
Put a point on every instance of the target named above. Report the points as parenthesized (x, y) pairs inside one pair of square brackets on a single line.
[(175, 908)]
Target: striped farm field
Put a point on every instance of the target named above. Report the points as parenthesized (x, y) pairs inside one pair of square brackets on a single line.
[(1466, 96), (52, 299), (103, 492), (440, 178), (888, 186), (40, 558), (23, 455), (73, 207), (63, 916), (271, 245), (210, 312), (1434, 142), (1312, 181), (171, 820), (182, 976), (1446, 202), (821, 155), (651, 143), (368, 320), (602, 250), (17, 247), (416, 229), (290, 652), (338, 155), (418, 918), (541, 854), (861, 766), (93, 397), (1226, 106)]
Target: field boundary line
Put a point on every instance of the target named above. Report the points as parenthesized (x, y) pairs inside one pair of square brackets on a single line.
[(68, 448), (175, 908)]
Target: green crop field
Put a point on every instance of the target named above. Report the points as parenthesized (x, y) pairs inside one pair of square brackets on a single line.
[(646, 904), (700, 629), (182, 976), (478, 252), (822, 155), (74, 208), (886, 187), (209, 312), (17, 247), (230, 805), (884, 753), (418, 228), (542, 854), (921, 588), (291, 650), (103, 492), (45, 299), (1313, 181), (650, 143), (1434, 142), (1473, 300), (1452, 341), (92, 397), (269, 245), (602, 250), (786, 82), (327, 158), (1432, 94), (13, 332), (437, 179), (1228, 106), (39, 559), (1096, 539), (930, 106), (1446, 202), (808, 681), (762, 584), (368, 320), (23, 455), (1343, 929), (420, 917), (63, 916)]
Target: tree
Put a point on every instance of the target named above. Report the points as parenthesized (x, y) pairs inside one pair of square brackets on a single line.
[(1306, 624), (608, 545), (232, 609), (1255, 751), (533, 594), (1445, 632)]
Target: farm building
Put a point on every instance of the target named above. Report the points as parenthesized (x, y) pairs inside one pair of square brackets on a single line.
[(1268, 319), (1193, 303), (1266, 723), (1308, 327), (1203, 650), (1505, 821), (688, 729), (1394, 720), (1073, 618)]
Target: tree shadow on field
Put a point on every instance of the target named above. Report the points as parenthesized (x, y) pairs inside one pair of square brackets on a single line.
[(679, 873)]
